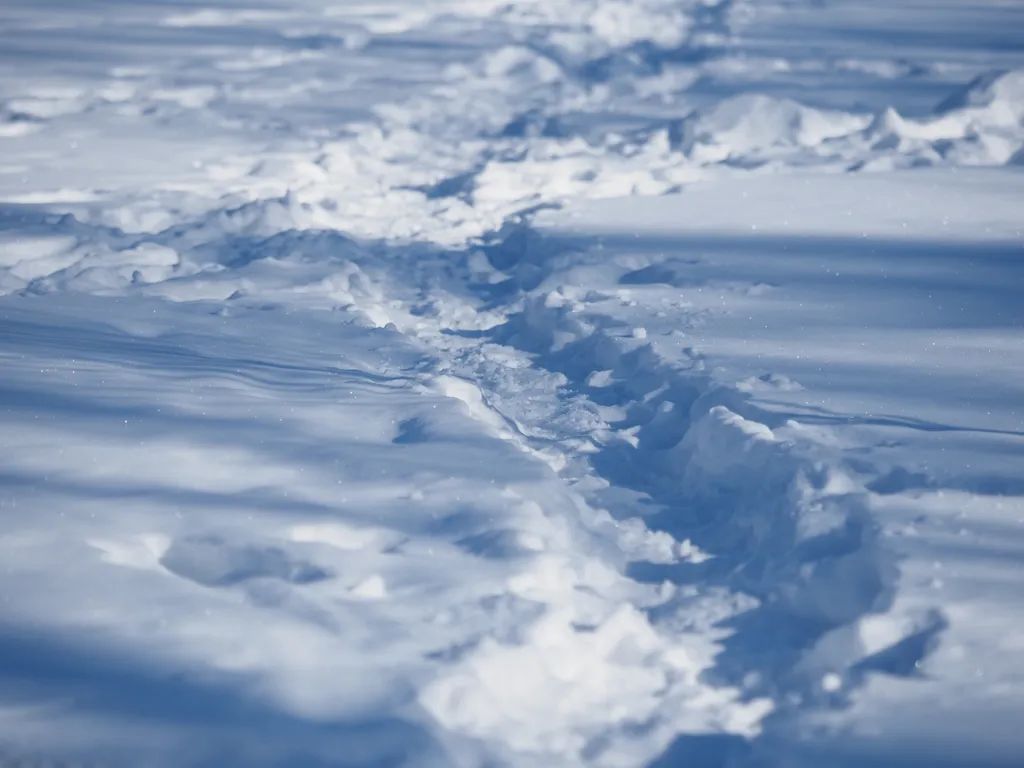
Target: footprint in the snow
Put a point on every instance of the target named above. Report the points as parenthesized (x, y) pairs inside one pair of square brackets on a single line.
[(501, 544), (214, 562), (675, 273), (769, 382), (414, 430)]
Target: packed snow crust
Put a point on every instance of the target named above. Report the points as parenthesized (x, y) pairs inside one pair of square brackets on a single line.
[(471, 383)]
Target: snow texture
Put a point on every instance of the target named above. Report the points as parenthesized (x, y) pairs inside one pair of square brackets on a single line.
[(478, 383)]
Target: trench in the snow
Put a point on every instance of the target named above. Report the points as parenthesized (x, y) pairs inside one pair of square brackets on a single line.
[(701, 480)]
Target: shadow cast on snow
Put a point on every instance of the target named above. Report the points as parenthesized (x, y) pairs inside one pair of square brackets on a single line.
[(212, 720)]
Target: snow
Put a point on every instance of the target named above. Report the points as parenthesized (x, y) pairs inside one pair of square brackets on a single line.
[(460, 383)]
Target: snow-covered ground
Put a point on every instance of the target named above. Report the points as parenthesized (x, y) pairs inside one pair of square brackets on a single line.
[(595, 383)]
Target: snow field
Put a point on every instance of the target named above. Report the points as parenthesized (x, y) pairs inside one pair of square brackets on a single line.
[(477, 384)]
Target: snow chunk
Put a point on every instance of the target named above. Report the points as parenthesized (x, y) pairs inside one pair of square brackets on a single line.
[(566, 684)]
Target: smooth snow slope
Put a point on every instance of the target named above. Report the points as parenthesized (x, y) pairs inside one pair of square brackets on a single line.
[(470, 383)]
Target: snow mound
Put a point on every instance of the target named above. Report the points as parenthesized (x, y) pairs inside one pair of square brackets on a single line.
[(998, 93), (754, 124), (981, 124)]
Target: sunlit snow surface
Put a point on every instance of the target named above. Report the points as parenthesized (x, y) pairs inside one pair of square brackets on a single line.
[(603, 383)]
